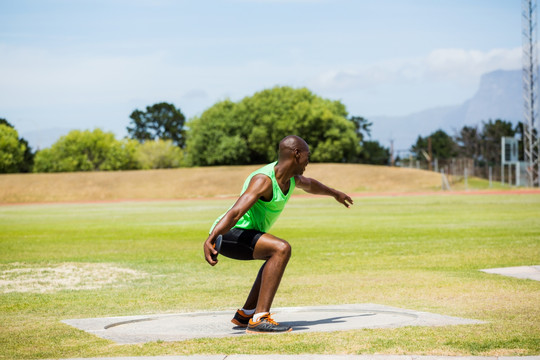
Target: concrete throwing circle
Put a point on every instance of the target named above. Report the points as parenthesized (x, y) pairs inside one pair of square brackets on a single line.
[(178, 327)]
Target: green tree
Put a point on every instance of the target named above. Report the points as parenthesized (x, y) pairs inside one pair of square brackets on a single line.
[(247, 132), (159, 121), (159, 154), (11, 150), (520, 130), (443, 147), (362, 127), (87, 151), (5, 122), (492, 132), (374, 153), (469, 142), (28, 156)]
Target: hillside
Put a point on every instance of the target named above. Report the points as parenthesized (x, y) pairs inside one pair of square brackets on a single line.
[(198, 183), (499, 96)]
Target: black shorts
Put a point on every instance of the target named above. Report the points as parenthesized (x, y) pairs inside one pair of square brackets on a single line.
[(239, 243)]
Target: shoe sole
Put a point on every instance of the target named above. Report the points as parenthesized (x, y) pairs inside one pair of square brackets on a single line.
[(239, 324), (248, 331)]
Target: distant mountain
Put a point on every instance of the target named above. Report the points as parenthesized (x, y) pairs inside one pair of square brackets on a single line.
[(499, 96)]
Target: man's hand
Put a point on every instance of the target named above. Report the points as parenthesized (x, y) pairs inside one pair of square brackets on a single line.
[(343, 198), (313, 186), (209, 250)]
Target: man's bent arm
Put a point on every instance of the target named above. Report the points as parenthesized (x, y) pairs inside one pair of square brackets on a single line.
[(258, 187), (313, 186)]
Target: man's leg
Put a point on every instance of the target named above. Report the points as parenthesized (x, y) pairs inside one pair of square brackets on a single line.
[(251, 302), (277, 253)]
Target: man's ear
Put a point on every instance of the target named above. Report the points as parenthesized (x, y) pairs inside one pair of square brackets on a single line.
[(296, 154)]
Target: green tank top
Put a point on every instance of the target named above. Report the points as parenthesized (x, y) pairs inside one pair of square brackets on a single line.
[(263, 214)]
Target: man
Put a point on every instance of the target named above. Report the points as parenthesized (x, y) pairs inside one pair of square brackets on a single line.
[(244, 229)]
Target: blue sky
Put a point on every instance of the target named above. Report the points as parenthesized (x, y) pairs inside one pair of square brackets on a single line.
[(80, 64)]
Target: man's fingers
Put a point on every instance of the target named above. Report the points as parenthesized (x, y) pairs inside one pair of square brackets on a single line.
[(210, 260), (209, 251), (345, 200)]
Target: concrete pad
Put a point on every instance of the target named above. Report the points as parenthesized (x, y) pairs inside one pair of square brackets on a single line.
[(314, 357), (168, 357), (318, 357), (441, 357), (521, 272), (178, 327)]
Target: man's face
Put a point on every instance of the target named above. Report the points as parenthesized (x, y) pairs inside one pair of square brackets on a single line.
[(303, 160)]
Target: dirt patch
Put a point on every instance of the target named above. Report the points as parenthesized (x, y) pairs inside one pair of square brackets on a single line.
[(207, 183), (65, 276), (189, 183)]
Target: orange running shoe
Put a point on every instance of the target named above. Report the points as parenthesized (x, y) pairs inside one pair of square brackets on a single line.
[(241, 319), (266, 326)]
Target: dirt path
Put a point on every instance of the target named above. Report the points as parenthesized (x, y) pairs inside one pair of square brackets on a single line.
[(353, 195)]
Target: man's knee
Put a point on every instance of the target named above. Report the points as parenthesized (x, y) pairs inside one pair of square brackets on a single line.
[(283, 248), (269, 246)]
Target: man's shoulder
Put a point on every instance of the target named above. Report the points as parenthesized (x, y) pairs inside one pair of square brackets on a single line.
[(261, 179)]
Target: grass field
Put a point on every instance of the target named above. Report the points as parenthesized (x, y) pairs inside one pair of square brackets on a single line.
[(421, 253)]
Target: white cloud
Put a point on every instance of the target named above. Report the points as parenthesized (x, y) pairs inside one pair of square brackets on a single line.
[(450, 65), (463, 64)]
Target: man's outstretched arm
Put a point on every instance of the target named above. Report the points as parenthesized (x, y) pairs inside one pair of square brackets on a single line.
[(313, 186)]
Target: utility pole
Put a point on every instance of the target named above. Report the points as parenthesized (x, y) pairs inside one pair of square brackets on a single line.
[(392, 159), (531, 144), (430, 153)]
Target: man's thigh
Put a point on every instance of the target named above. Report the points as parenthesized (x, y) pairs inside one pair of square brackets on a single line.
[(269, 245), (240, 244)]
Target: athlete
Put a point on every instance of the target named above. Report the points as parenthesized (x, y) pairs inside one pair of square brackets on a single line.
[(244, 229)]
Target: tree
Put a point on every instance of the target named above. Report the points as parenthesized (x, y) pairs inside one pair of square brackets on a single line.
[(520, 130), (469, 142), (247, 132), (159, 121), (87, 151), (11, 150), (443, 147), (362, 127), (374, 153), (491, 135), (5, 122), (28, 157), (159, 154)]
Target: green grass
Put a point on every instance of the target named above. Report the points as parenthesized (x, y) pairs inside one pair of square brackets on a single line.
[(420, 253)]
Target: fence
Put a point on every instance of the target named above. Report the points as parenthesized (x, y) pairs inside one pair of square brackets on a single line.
[(460, 169)]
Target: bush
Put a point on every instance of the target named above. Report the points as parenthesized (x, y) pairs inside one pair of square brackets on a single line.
[(87, 151), (11, 150), (159, 154)]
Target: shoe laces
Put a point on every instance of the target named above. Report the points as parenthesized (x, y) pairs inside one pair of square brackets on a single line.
[(270, 320)]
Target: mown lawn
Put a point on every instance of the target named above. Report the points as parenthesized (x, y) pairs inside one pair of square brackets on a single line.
[(420, 253)]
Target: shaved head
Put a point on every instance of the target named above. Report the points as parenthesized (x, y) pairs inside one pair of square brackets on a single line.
[(291, 143)]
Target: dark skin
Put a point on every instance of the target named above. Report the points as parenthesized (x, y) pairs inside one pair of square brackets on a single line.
[(294, 157)]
